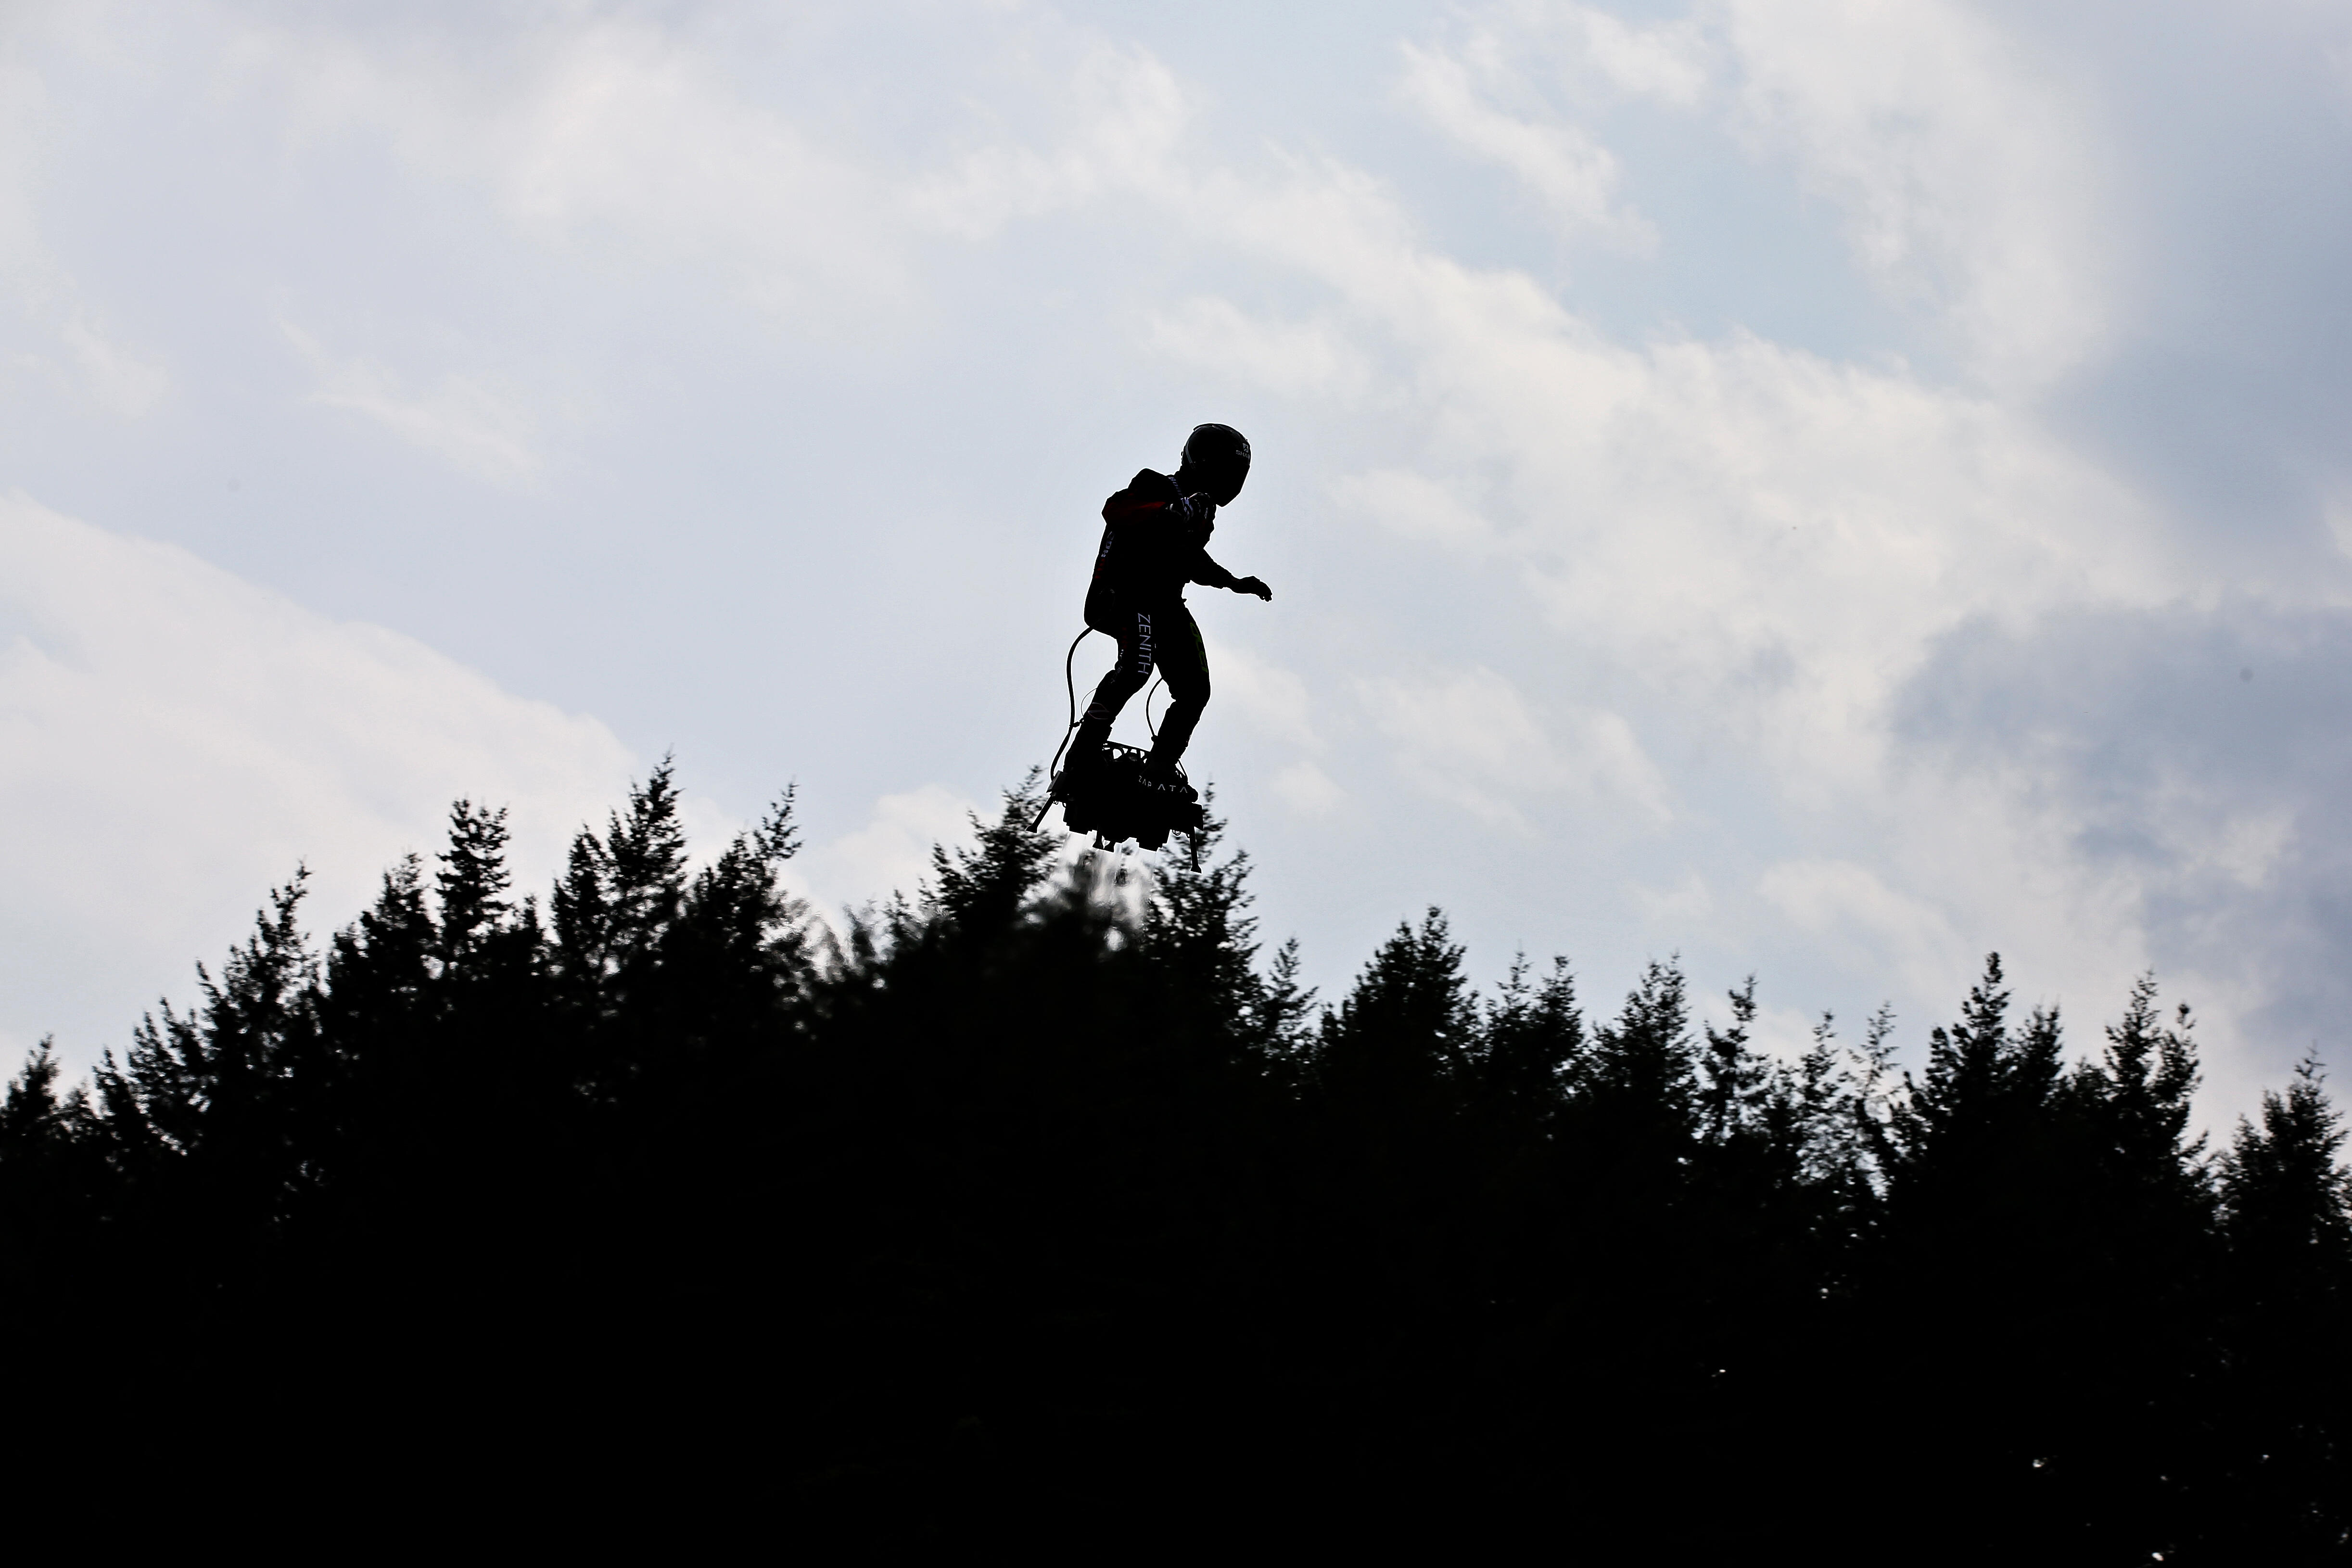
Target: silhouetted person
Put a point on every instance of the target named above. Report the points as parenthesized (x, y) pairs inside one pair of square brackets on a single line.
[(1155, 538)]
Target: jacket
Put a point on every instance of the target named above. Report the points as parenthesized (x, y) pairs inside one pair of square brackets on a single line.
[(1154, 542)]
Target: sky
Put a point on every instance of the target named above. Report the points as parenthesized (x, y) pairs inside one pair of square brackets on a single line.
[(1825, 489)]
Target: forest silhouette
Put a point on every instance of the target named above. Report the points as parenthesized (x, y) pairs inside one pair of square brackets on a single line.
[(1043, 1203)]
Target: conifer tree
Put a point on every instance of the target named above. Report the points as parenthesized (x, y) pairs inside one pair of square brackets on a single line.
[(1628, 1138), (2286, 1204), (1981, 1083), (1975, 1144), (381, 969), (1834, 1110), (52, 1178), (2140, 1094), (1401, 1040), (1733, 1077), (619, 894), (472, 883), (1200, 934), (1531, 1045), (370, 1077), (738, 959), (35, 1119), (2286, 1197), (2139, 1184), (207, 1082), (981, 890), (1638, 1105)]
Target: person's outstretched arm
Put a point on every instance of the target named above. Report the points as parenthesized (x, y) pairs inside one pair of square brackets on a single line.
[(1209, 575), (1199, 515)]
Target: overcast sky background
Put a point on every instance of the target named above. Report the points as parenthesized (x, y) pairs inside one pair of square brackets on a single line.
[(1830, 489)]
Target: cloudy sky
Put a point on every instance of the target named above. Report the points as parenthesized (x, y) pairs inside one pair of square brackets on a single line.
[(1826, 487)]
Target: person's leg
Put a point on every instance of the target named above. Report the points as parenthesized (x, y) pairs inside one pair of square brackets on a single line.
[(1184, 666), (1137, 650)]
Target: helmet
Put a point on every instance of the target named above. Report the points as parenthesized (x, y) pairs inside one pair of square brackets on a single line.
[(1219, 456)]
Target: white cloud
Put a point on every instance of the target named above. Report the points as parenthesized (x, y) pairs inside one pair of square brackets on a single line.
[(1472, 739), (1749, 525), (2247, 848), (116, 379), (122, 383), (1681, 906), (1843, 902), (1297, 359), (1127, 116), (23, 106), (891, 854), (28, 128), (174, 741), (1307, 789), (1414, 507), (1668, 61), (460, 420), (1574, 176), (1970, 176), (624, 129), (1973, 177), (613, 132), (1273, 700), (2338, 514)]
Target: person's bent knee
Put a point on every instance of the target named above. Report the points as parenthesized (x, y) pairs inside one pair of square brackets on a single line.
[(1190, 686)]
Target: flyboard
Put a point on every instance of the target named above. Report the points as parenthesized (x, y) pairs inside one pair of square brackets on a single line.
[(1110, 799)]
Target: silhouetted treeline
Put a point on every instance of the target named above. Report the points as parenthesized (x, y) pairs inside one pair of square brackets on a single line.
[(1043, 1203)]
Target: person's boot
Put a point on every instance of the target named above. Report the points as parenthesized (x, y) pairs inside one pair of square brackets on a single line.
[(1086, 757), (1161, 776)]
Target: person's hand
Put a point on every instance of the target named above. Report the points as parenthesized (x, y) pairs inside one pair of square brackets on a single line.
[(1253, 585)]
